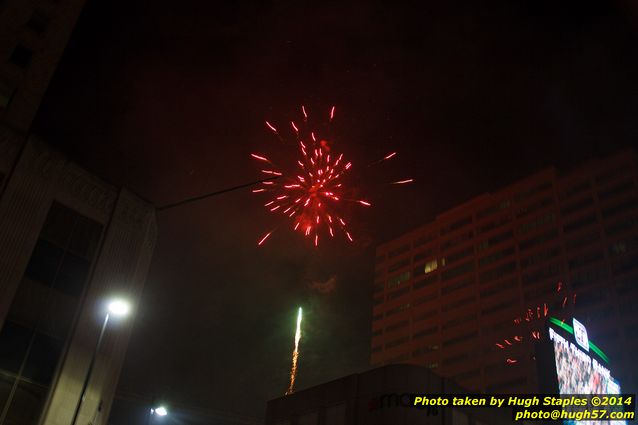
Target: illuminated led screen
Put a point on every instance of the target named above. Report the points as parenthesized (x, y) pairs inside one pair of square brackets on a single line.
[(580, 373)]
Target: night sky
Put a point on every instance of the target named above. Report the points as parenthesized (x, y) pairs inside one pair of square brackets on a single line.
[(168, 98)]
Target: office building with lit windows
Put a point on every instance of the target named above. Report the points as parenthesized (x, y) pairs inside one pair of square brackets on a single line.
[(467, 294), (68, 242)]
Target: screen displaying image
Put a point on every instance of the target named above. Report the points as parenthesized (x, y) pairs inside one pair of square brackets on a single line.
[(579, 373)]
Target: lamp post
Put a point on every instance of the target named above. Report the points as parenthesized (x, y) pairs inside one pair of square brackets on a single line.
[(117, 308)]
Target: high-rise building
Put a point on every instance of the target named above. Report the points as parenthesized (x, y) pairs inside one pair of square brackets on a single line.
[(33, 35), (466, 294), (68, 242)]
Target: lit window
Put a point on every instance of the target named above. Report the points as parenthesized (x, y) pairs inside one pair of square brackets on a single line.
[(430, 266)]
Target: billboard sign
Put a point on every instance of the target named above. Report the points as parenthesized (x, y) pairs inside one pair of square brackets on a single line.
[(581, 366)]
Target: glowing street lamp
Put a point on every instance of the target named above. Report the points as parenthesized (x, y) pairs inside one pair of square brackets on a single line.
[(159, 411), (115, 308), (119, 308)]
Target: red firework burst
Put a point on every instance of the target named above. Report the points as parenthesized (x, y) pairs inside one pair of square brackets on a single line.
[(533, 319), (313, 192)]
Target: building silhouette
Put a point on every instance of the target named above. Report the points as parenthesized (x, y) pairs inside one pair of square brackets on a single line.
[(467, 294), (68, 241), (381, 396), (33, 35)]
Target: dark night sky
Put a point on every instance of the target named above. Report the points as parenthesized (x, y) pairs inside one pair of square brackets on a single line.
[(168, 98)]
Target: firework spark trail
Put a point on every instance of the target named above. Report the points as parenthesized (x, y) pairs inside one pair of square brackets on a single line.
[(531, 316), (295, 355), (263, 239), (385, 158)]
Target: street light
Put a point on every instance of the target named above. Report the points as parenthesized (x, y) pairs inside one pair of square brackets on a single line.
[(160, 411), (117, 308)]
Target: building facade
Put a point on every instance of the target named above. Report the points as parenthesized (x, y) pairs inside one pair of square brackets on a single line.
[(134, 409), (68, 242), (467, 294), (33, 35), (379, 396)]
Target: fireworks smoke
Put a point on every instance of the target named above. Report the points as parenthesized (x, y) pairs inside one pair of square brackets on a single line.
[(295, 355)]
